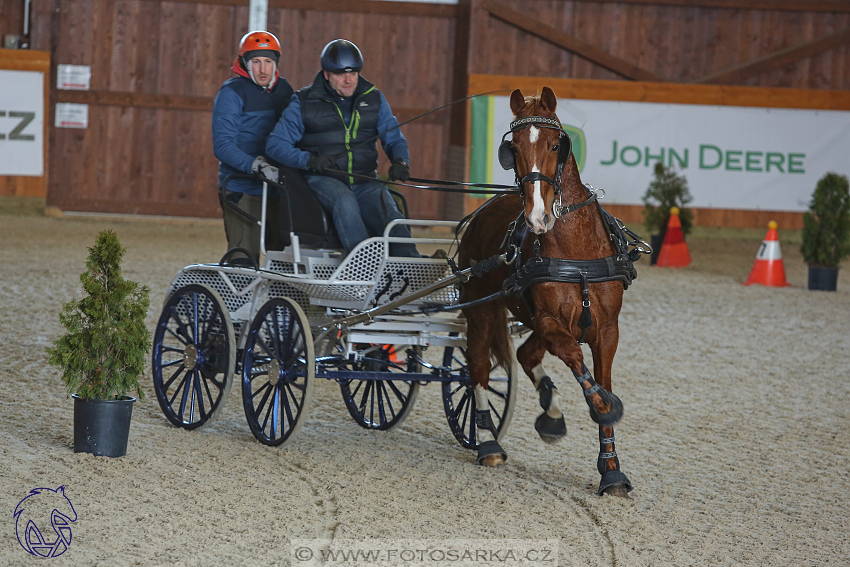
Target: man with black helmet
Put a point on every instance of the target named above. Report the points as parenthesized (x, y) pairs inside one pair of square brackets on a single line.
[(330, 129), (245, 111)]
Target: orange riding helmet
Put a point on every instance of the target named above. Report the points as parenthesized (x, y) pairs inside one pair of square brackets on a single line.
[(259, 43)]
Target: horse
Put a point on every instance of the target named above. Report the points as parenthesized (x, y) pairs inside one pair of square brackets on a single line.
[(569, 291)]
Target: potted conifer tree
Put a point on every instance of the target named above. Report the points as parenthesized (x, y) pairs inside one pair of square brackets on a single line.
[(826, 231), (102, 354), (665, 191)]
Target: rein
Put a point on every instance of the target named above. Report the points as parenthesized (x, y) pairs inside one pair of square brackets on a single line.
[(493, 187)]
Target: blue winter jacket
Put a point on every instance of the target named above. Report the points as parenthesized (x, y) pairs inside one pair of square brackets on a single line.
[(243, 116)]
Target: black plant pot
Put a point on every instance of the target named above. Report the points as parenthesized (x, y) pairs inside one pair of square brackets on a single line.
[(824, 278), (655, 240), (101, 427)]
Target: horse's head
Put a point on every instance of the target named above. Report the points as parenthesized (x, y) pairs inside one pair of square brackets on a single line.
[(538, 152)]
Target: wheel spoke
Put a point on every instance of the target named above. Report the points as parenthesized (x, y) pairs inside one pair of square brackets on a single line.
[(180, 386), (384, 403), (198, 394), (267, 390)]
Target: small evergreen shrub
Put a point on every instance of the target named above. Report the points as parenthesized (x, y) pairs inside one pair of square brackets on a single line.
[(665, 191), (103, 353), (826, 225)]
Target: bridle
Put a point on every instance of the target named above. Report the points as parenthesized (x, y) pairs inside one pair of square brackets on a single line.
[(507, 159)]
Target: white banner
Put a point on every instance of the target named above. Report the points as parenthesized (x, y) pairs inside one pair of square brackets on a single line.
[(21, 123), (732, 157)]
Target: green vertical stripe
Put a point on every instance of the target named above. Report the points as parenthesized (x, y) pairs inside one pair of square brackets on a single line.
[(481, 152)]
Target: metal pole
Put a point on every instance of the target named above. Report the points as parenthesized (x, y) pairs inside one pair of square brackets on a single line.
[(258, 11)]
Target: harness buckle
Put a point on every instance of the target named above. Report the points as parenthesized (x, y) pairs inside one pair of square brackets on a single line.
[(510, 254)]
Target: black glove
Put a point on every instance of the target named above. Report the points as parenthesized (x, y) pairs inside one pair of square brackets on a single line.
[(399, 171), (265, 169), (321, 162)]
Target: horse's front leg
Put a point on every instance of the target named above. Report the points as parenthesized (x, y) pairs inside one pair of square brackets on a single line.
[(614, 481), (603, 345), (605, 408), (550, 424)]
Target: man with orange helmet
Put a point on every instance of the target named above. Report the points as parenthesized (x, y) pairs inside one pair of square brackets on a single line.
[(245, 111)]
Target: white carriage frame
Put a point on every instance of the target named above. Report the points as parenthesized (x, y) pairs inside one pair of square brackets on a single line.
[(330, 286)]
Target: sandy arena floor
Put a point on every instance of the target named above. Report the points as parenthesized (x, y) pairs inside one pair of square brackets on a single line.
[(734, 435)]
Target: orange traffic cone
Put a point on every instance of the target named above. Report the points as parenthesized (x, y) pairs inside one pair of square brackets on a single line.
[(674, 252), (768, 268)]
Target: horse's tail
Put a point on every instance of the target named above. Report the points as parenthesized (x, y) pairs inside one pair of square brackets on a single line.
[(501, 348)]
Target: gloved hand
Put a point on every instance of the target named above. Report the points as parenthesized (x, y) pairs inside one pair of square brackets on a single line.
[(265, 169), (321, 162), (399, 171)]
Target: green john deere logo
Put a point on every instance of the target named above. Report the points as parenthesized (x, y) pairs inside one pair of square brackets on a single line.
[(579, 144)]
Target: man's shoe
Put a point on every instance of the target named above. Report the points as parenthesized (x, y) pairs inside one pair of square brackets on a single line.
[(440, 254)]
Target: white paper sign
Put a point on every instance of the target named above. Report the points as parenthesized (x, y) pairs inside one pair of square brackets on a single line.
[(73, 77), (21, 123), (732, 157), (71, 115)]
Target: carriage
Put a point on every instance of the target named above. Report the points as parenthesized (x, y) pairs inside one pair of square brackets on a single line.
[(310, 311), (548, 254)]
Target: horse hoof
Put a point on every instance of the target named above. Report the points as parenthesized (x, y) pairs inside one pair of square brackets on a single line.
[(491, 454), (493, 462), (551, 430), (612, 416), (618, 490), (614, 483)]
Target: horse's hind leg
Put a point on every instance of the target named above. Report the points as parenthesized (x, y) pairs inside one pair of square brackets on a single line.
[(550, 424), (480, 335)]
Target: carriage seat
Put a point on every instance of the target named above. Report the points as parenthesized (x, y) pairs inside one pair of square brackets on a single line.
[(310, 222)]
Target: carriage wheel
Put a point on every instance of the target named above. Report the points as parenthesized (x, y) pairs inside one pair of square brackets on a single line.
[(459, 398), (278, 371), (382, 404), (194, 355)]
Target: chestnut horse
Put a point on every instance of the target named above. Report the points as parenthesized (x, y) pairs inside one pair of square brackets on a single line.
[(569, 291)]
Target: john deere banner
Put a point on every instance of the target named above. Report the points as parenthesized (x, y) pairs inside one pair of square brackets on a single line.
[(21, 123), (732, 157)]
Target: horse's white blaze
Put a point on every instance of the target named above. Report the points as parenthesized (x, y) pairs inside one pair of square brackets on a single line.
[(482, 402), (537, 212), (537, 374), (536, 219)]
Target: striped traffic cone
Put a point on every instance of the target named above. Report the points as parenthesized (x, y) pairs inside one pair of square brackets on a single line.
[(768, 268), (674, 252)]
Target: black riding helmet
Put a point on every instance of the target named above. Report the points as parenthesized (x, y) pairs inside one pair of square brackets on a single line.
[(341, 56)]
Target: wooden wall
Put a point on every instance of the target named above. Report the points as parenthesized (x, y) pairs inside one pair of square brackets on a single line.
[(686, 51), (676, 41), (157, 65)]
